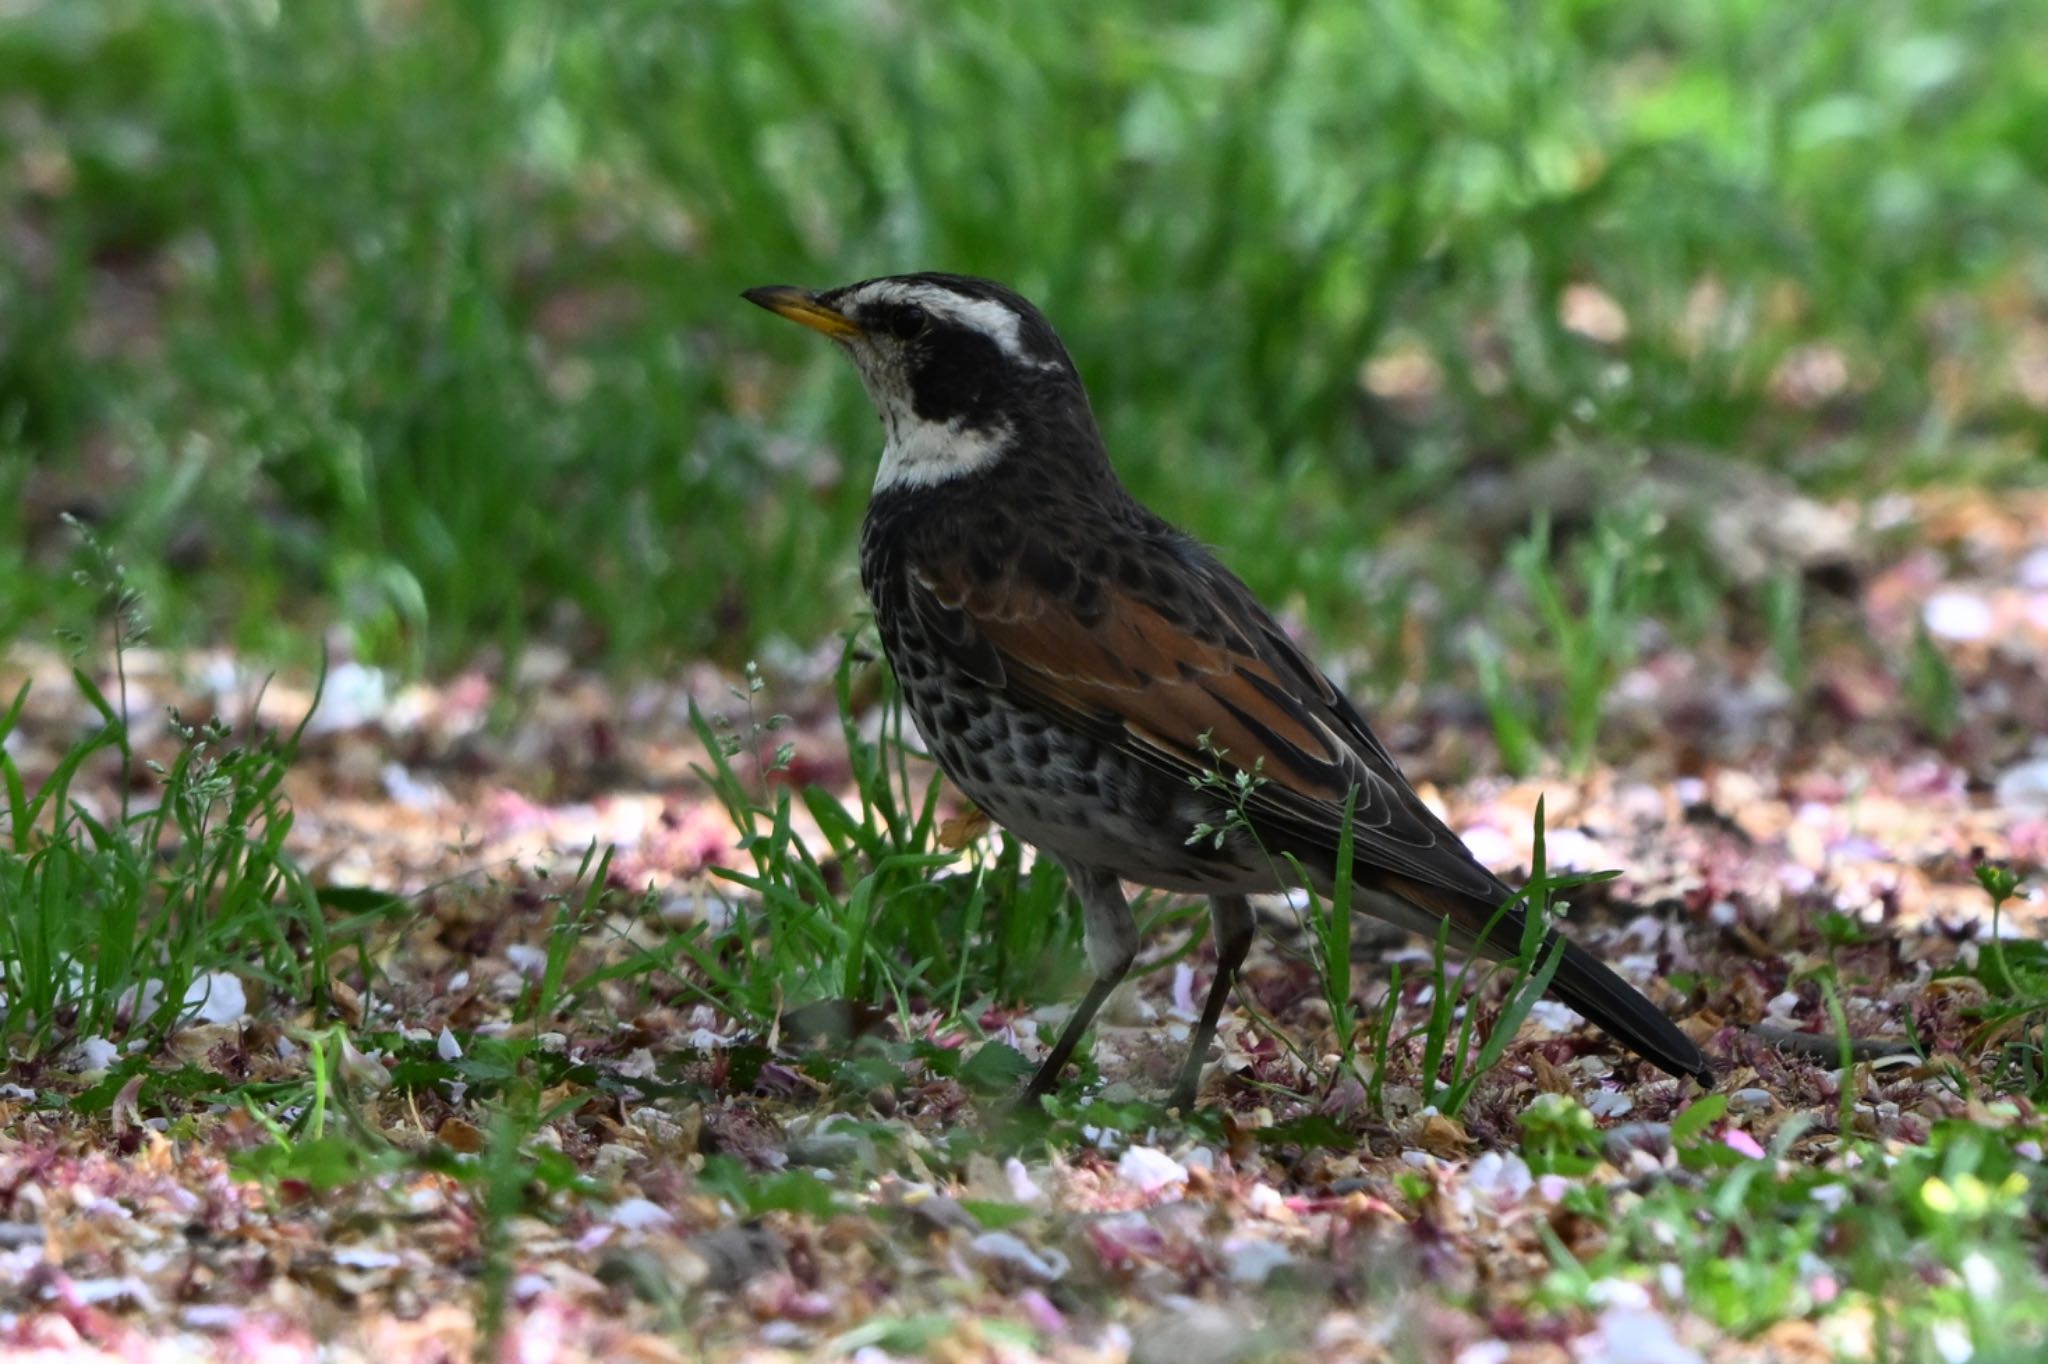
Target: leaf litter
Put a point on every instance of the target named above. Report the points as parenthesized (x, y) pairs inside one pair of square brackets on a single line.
[(684, 1183)]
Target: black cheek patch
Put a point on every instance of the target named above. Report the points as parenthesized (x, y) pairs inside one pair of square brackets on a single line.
[(958, 375)]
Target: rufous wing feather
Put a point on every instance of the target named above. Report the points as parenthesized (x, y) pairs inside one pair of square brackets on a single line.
[(1229, 691)]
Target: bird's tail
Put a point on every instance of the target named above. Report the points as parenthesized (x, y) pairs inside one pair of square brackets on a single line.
[(1583, 981), (1623, 1013)]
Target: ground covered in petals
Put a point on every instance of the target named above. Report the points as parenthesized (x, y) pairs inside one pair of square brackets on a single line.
[(686, 1022)]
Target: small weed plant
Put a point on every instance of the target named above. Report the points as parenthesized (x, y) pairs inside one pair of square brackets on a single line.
[(865, 915), (1455, 1057), (113, 920), (1588, 612)]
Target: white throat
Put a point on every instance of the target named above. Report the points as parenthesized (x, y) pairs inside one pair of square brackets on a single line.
[(922, 454)]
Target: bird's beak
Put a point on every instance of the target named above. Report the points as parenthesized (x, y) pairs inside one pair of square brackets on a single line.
[(802, 306)]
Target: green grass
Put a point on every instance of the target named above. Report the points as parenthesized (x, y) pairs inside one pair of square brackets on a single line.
[(867, 918), (1454, 1055), (1921, 1245), (422, 319), (1931, 1244), (110, 918), (1588, 611)]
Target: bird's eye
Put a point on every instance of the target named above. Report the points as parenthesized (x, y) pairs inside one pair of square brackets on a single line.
[(908, 322)]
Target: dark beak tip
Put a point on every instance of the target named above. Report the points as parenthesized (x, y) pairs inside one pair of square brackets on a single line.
[(804, 308)]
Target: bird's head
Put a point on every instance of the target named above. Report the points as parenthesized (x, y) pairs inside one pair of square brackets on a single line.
[(961, 370)]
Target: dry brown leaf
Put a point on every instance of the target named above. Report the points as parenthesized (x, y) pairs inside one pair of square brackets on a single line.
[(962, 829), (1445, 1138), (1549, 1078), (1795, 1342), (347, 1002), (457, 1135)]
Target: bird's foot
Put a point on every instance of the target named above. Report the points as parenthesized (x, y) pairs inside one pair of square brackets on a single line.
[(1183, 1095)]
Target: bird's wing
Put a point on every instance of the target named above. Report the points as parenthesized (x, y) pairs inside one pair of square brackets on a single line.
[(1152, 673), (1157, 677)]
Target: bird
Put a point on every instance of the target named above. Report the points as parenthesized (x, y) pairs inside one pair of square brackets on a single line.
[(1099, 684)]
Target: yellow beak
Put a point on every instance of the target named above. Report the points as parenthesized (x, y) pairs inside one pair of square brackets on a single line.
[(802, 306)]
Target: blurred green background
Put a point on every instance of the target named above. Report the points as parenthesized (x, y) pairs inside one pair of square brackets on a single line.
[(419, 318)]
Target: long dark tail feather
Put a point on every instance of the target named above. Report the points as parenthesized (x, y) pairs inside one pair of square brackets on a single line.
[(1620, 1010), (1582, 980)]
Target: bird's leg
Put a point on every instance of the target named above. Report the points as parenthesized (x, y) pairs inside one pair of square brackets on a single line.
[(1112, 937), (1232, 916)]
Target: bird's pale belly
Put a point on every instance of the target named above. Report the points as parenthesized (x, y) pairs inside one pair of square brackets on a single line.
[(1079, 800)]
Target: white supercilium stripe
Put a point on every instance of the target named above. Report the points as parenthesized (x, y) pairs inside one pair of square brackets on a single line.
[(994, 320)]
